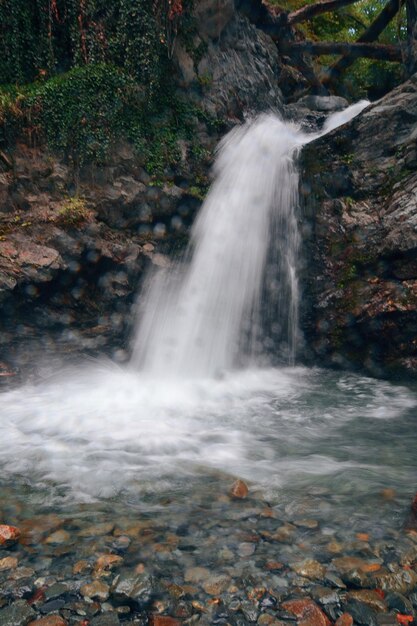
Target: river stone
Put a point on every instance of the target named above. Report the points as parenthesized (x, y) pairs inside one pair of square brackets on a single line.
[(361, 613), (344, 620), (96, 590), (163, 620), (324, 595), (107, 562), (58, 537), (401, 582), (17, 614), (307, 612), (49, 620), (196, 574), (239, 490), (371, 598), (269, 620), (97, 530), (398, 602), (9, 562), (105, 619), (55, 591), (310, 569), (215, 585), (246, 549), (132, 588), (8, 535)]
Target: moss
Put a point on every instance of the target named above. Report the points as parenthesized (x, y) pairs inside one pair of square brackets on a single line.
[(74, 212)]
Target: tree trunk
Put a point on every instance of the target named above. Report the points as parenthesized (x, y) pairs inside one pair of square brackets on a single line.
[(381, 52), (311, 10), (371, 34), (411, 60)]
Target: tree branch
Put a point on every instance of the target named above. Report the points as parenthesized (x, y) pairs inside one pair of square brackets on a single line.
[(311, 10), (371, 34), (382, 52)]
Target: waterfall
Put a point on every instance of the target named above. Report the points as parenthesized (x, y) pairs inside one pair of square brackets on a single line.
[(208, 313), (203, 315)]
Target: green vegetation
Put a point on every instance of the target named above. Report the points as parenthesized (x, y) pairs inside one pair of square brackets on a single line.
[(80, 74), (74, 212), (366, 77)]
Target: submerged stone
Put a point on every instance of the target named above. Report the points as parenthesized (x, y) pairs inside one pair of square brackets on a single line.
[(132, 588), (17, 614), (8, 535), (239, 490)]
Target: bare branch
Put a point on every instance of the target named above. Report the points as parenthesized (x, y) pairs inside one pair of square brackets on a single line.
[(382, 52), (311, 10)]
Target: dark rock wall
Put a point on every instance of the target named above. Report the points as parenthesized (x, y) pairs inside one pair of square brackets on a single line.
[(360, 224)]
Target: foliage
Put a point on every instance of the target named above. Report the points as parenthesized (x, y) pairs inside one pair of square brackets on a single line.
[(74, 212), (365, 77), (81, 74), (41, 38), (82, 112)]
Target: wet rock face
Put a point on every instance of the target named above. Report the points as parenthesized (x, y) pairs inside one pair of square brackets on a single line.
[(212, 16), (71, 265), (359, 187), (239, 71)]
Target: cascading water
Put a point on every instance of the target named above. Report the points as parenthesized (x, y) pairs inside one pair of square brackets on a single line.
[(206, 314), (206, 318)]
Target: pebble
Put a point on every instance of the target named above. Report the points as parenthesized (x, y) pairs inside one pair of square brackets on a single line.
[(49, 620), (163, 620), (96, 590), (344, 620), (9, 562), (310, 569), (8, 535), (306, 523), (216, 585), (107, 562), (17, 614), (369, 597), (402, 582), (105, 619), (58, 537), (246, 549), (81, 567), (239, 490), (130, 587), (269, 620), (55, 591), (307, 612), (196, 574), (97, 530)]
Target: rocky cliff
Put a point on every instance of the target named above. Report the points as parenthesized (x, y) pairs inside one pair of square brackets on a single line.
[(360, 203)]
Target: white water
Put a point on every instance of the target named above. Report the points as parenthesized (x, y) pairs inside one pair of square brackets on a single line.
[(202, 319), (208, 314), (104, 429)]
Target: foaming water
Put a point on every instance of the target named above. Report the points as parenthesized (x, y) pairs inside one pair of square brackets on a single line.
[(102, 432)]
